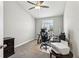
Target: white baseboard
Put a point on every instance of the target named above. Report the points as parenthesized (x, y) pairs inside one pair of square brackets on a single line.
[(23, 43)]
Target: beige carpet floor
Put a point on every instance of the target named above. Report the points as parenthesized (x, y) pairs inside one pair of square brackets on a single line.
[(29, 50)]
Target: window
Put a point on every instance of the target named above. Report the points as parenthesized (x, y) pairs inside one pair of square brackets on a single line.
[(47, 24)]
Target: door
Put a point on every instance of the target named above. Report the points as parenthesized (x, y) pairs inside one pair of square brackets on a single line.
[(1, 29)]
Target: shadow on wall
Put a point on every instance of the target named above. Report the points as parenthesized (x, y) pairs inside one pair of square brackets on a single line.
[(73, 44)]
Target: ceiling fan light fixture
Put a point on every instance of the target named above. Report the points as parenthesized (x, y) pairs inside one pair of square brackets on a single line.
[(37, 7)]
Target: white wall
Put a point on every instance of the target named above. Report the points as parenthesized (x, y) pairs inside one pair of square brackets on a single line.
[(57, 22), (71, 25), (1, 28), (18, 23)]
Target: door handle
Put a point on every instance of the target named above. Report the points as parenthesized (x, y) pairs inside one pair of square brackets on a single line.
[(3, 46)]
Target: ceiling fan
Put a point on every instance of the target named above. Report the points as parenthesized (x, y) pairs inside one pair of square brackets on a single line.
[(38, 5)]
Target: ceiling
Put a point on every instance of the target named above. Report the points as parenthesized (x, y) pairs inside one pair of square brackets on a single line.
[(55, 8)]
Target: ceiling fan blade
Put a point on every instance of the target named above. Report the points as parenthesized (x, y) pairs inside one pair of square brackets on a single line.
[(31, 8), (41, 2), (31, 3), (45, 6)]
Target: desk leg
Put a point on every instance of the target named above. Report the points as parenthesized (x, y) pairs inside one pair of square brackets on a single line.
[(50, 55)]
